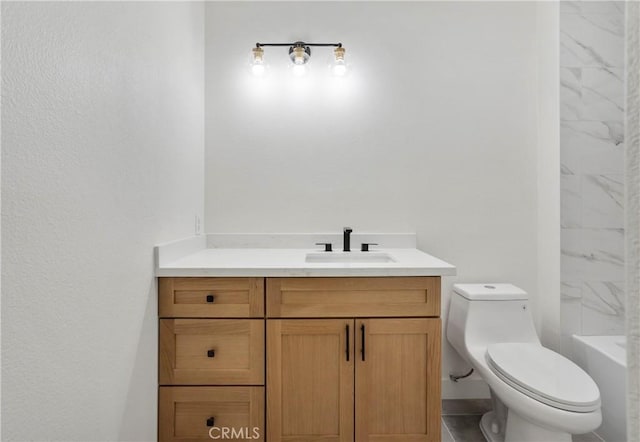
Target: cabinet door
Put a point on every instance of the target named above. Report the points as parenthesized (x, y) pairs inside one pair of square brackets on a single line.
[(398, 380), (310, 379)]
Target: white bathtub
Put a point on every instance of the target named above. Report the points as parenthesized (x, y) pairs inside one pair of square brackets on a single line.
[(605, 359)]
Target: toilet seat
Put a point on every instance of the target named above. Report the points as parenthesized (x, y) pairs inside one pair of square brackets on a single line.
[(544, 375)]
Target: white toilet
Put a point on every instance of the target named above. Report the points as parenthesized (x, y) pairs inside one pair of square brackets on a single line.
[(538, 395)]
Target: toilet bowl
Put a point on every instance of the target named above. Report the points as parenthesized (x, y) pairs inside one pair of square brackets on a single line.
[(538, 394)]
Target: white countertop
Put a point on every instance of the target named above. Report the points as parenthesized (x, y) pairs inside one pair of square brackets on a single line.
[(199, 256), (291, 262)]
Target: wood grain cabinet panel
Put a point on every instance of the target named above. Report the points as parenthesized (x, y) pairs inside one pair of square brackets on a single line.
[(310, 370), (211, 352), (211, 297), (353, 297), (347, 359), (398, 380), (188, 414)]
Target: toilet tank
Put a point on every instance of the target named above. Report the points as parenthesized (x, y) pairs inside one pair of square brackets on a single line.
[(483, 314)]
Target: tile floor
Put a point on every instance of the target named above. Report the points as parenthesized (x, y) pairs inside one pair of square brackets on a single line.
[(461, 419)]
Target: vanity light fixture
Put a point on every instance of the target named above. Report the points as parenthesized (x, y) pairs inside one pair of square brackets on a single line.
[(299, 54)]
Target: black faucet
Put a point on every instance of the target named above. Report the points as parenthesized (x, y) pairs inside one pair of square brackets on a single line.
[(346, 239)]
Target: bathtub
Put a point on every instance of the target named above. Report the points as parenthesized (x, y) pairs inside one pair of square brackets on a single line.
[(605, 359)]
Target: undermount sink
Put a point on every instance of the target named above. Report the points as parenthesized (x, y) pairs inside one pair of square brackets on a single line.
[(349, 257)]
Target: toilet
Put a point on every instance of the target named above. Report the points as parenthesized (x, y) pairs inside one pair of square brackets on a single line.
[(537, 394)]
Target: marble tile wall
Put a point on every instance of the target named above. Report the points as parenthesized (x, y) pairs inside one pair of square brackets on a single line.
[(592, 167)]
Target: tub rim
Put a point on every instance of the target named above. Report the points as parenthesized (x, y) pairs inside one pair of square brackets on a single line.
[(607, 346)]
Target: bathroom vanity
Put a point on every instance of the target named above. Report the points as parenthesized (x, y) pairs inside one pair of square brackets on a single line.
[(291, 350)]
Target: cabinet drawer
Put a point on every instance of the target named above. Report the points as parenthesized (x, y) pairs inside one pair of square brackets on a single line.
[(211, 297), (353, 297), (211, 352), (190, 413)]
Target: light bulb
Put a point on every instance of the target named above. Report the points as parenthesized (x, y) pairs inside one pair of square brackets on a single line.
[(339, 69), (338, 66), (299, 54), (299, 70), (256, 61), (258, 70)]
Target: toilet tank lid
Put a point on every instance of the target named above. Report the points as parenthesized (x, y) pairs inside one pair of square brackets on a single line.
[(490, 292)]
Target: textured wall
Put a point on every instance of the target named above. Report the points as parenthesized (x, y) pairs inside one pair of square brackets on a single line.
[(102, 147), (592, 164), (435, 131)]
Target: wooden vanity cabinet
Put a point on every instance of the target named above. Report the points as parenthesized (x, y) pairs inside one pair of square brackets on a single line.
[(334, 359), (373, 376)]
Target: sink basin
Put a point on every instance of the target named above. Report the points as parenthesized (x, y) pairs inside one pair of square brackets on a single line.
[(349, 257)]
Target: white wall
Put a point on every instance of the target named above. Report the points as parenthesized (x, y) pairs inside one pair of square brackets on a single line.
[(435, 131), (0, 244), (548, 299), (102, 148)]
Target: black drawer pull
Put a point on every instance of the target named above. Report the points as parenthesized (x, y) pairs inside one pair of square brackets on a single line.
[(211, 421), (348, 351), (363, 340), (210, 298), (211, 353)]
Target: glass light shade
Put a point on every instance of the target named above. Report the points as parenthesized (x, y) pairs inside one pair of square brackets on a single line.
[(299, 54), (257, 63), (338, 65)]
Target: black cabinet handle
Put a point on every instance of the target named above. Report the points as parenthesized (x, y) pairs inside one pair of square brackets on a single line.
[(211, 421), (362, 330), (210, 298), (211, 353), (348, 350)]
